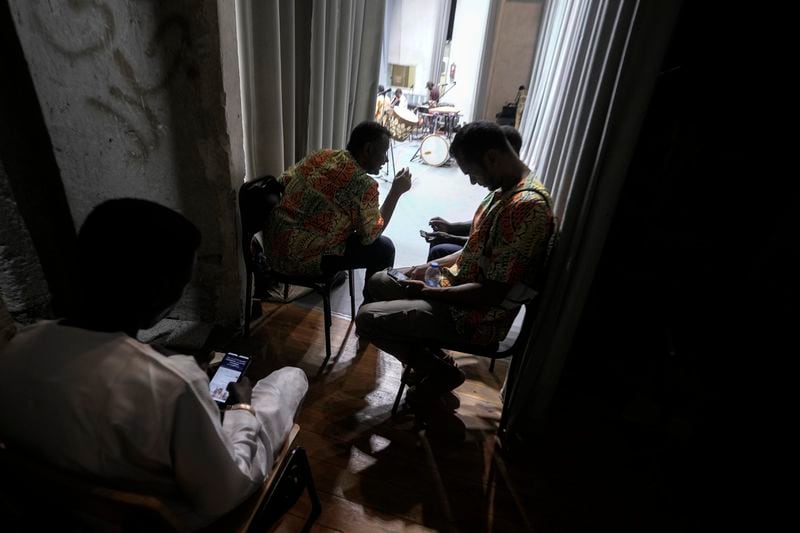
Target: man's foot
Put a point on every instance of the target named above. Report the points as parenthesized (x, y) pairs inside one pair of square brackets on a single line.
[(361, 344), (444, 356), (445, 377), (421, 398)]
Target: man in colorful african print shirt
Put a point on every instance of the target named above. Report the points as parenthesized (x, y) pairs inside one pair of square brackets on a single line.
[(328, 218), (483, 285)]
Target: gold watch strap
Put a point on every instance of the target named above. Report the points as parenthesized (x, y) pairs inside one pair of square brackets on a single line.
[(243, 407)]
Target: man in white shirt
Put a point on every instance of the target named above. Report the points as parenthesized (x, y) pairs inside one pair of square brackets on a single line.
[(399, 99), (89, 398)]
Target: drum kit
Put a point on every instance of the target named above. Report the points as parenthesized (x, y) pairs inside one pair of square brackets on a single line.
[(435, 147), (401, 122), (437, 122)]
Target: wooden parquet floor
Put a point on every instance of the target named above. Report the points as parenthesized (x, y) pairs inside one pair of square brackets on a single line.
[(376, 473)]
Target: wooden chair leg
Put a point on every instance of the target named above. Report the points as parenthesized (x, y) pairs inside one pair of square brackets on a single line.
[(296, 472), (326, 304), (248, 304), (352, 284), (399, 396), (316, 505)]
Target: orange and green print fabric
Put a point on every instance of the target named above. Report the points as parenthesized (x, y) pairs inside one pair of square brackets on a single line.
[(510, 231), (327, 198)]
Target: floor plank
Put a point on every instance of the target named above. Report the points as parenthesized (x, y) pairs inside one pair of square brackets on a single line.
[(379, 473)]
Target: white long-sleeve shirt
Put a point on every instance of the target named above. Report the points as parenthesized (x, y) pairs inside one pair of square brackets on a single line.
[(109, 406)]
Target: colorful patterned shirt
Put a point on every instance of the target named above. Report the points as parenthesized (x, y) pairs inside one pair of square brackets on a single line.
[(328, 197), (509, 237)]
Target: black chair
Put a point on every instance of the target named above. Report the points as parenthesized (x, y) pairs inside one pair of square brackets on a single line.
[(256, 199), (497, 350)]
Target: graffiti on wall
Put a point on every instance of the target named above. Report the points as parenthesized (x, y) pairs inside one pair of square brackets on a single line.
[(89, 30)]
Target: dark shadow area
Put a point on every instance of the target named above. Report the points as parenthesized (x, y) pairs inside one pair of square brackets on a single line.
[(29, 161), (696, 279)]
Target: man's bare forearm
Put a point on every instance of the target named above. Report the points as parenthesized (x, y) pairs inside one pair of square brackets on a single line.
[(387, 208), (469, 294)]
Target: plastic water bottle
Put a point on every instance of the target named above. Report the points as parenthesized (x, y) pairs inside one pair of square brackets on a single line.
[(433, 275)]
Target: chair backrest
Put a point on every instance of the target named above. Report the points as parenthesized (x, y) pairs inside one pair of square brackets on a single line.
[(48, 496), (257, 198), (532, 307), (42, 491)]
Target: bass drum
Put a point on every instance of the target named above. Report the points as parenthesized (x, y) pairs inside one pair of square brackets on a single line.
[(435, 150)]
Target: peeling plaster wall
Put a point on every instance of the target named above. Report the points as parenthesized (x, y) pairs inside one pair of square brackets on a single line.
[(132, 95), (23, 289), (7, 327)]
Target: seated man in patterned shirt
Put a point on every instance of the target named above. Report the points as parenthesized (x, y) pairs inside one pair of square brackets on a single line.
[(328, 218), (483, 285)]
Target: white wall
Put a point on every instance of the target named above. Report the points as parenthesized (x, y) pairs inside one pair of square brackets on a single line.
[(412, 28), (466, 47), (512, 53)]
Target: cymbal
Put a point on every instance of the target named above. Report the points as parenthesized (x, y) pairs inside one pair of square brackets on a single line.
[(444, 110)]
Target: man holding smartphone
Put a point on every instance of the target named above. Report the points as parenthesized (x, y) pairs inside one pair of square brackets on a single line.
[(483, 285), (89, 398), (450, 237)]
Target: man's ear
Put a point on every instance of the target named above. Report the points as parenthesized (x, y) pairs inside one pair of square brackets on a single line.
[(490, 158)]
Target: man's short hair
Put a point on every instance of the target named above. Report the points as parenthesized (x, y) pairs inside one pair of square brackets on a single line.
[(513, 136), (127, 243), (366, 132), (476, 138)]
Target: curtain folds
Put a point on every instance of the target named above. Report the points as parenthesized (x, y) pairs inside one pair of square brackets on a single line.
[(308, 73), (443, 18), (595, 66), (345, 65)]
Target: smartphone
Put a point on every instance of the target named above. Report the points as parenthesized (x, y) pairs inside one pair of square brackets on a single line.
[(396, 275), (230, 370)]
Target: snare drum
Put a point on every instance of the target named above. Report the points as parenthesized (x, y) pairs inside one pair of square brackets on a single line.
[(401, 122), (435, 150)]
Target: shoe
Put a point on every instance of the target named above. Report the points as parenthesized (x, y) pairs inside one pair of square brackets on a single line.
[(362, 344), (445, 377), (422, 399)]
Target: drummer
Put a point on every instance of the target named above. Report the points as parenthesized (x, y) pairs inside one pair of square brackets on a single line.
[(433, 94), (399, 99), (382, 105)]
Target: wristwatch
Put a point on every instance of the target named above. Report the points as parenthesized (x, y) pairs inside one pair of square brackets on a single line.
[(243, 407)]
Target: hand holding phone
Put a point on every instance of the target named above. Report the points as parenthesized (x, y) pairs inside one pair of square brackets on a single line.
[(396, 275), (230, 370), (240, 391)]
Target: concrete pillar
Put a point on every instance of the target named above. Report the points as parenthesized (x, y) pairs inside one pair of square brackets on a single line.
[(134, 98), (7, 327), (22, 285)]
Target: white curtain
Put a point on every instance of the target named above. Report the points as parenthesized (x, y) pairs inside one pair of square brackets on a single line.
[(594, 69), (308, 73), (440, 35), (345, 65)]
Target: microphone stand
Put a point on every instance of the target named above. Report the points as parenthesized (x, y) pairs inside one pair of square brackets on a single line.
[(382, 122), (452, 84)]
